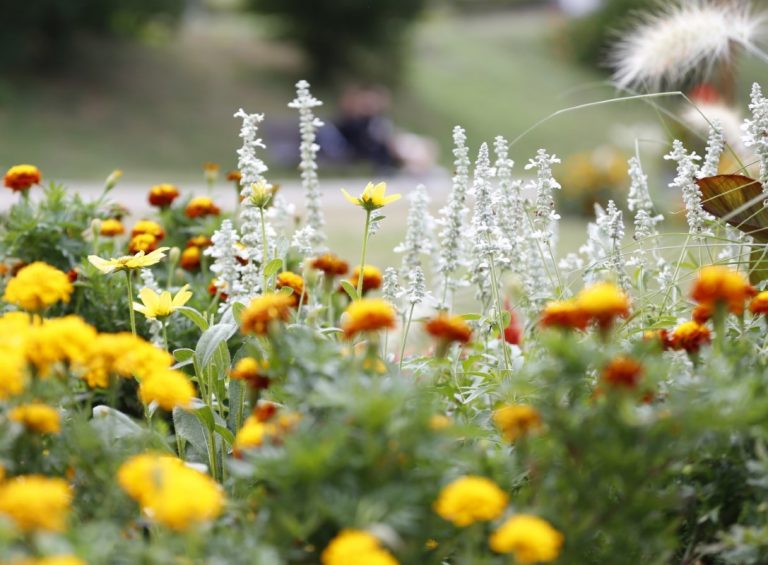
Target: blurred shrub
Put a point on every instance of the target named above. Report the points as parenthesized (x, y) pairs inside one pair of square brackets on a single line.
[(591, 177), (40, 32), (344, 38), (588, 39)]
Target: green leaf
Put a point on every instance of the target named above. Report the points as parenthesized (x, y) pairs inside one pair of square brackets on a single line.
[(205, 415), (197, 318), (286, 290), (192, 428), (349, 289), (210, 341), (113, 424), (236, 404), (471, 317), (739, 201), (273, 267), (237, 312), (226, 435), (184, 355)]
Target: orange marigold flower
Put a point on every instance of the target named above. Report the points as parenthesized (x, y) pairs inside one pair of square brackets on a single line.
[(716, 284), (563, 314), (201, 206), (111, 228), (703, 312), (368, 315), (264, 310), (287, 279), (211, 171), (163, 195), (148, 227), (200, 241), (662, 337), (331, 265), (759, 304), (516, 420), (190, 259), (251, 370), (623, 372), (602, 302), (371, 278), (213, 290), (234, 176), (145, 242), (21, 177), (690, 336), (449, 328)]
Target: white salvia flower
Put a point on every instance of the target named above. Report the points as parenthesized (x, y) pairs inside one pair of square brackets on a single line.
[(684, 37), (715, 147), (571, 262), (390, 288), (756, 130), (639, 201), (224, 251), (281, 218), (488, 242), (453, 214), (250, 166), (545, 184), (685, 182), (303, 240), (417, 287), (615, 229), (308, 126), (418, 239), (510, 206)]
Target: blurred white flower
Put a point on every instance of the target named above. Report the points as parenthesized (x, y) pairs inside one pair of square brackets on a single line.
[(683, 37)]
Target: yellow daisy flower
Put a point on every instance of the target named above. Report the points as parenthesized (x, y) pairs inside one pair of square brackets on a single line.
[(128, 262), (373, 197), (161, 305)]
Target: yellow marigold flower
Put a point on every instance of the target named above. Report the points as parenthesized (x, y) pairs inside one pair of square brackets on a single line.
[(162, 195), (368, 315), (21, 177), (190, 258), (169, 492), (37, 417), (36, 503), (516, 420), (356, 547), (66, 340), (716, 284), (331, 265), (201, 206), (602, 302), (161, 305), (253, 434), (759, 304), (13, 371), (564, 314), (142, 243), (529, 538), (234, 176), (623, 372), (38, 286), (129, 262), (170, 389), (371, 278), (690, 336), (290, 280), (200, 241), (51, 560), (373, 197), (449, 328), (122, 354), (470, 499), (148, 227), (264, 310), (210, 171), (440, 422), (111, 228)]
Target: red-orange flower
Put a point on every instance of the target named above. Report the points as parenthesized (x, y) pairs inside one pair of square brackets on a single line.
[(21, 177), (371, 278), (200, 241), (143, 242), (213, 290), (331, 265), (564, 314), (759, 304), (148, 227), (719, 285), (449, 328), (690, 336), (623, 372), (368, 315), (190, 259), (201, 206), (111, 228), (661, 337), (163, 195)]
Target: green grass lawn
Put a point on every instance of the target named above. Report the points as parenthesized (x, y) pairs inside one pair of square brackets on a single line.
[(160, 110)]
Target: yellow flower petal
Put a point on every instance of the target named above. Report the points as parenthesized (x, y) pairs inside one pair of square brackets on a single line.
[(391, 198), (182, 297), (350, 198)]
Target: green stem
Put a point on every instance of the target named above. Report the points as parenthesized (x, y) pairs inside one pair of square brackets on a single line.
[(165, 333), (129, 276), (405, 335), (500, 316), (265, 250), (361, 276)]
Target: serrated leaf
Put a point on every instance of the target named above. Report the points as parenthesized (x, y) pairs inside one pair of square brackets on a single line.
[(349, 289)]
